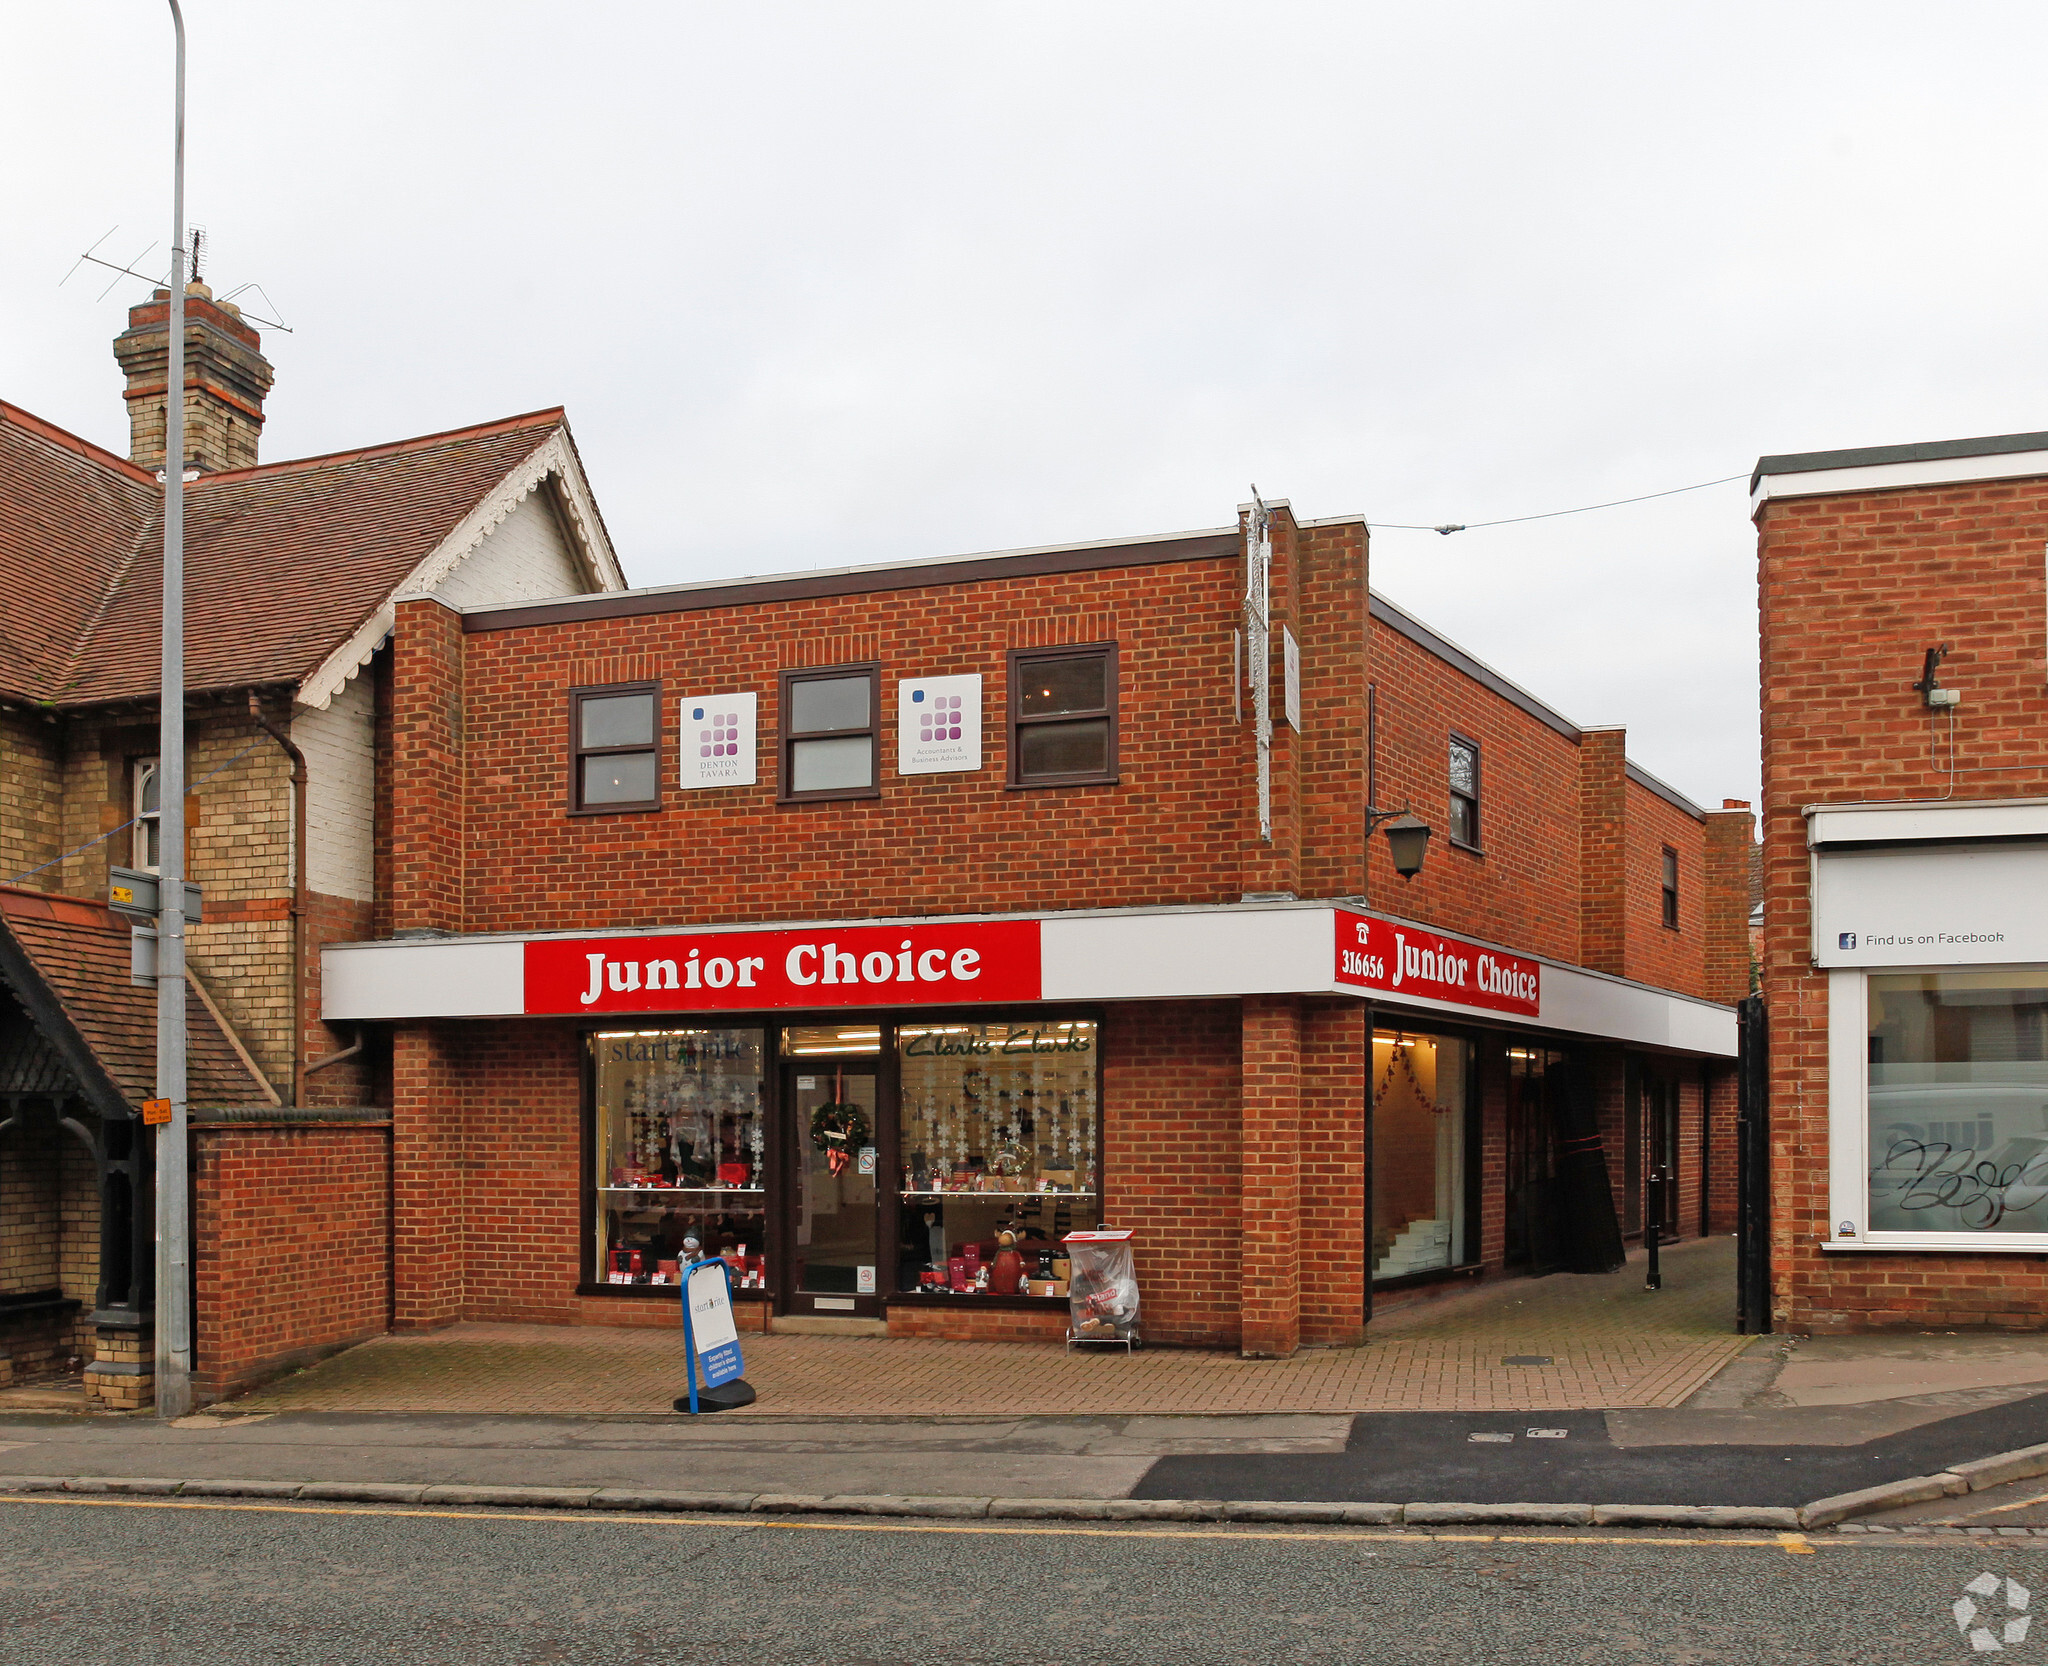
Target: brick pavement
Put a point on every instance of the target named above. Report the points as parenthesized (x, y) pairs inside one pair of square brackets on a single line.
[(1609, 1342)]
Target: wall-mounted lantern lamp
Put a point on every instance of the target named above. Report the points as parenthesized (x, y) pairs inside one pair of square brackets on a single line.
[(1407, 838)]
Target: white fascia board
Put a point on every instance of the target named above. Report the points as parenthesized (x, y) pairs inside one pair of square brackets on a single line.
[(2011, 818), (424, 978), (1613, 1009), (1221, 951), (1111, 955), (1879, 477)]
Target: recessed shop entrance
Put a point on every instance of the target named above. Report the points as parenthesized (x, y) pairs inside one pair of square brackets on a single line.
[(831, 1108)]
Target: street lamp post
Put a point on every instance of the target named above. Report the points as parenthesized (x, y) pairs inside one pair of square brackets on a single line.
[(173, 1194)]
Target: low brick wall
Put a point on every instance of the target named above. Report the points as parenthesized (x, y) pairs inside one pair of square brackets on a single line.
[(967, 1324), (291, 1240)]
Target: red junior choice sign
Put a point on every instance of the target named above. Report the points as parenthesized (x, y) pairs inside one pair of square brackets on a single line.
[(827, 966), (1402, 960)]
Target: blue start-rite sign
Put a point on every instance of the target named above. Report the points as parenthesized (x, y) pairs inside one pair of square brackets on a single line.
[(713, 1338)]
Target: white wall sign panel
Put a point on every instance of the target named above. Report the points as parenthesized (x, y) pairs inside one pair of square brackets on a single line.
[(1939, 905), (938, 725), (717, 745), (424, 979)]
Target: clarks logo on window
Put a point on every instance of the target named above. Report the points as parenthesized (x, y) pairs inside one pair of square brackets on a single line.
[(1402, 960), (848, 966)]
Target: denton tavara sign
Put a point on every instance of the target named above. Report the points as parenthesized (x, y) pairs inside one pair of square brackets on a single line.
[(741, 971), (1405, 960)]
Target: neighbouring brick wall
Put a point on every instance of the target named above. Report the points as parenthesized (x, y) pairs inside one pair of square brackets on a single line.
[(1731, 841), (356, 1081), (1603, 851), (1724, 1107), (1853, 590), (1670, 957), (31, 797), (429, 1221), (1172, 1136), (78, 1252), (428, 810), (1334, 1057), (487, 1135), (521, 1156), (291, 1245), (1522, 887), (1271, 1111), (1172, 830), (1330, 607), (239, 834), (30, 1209)]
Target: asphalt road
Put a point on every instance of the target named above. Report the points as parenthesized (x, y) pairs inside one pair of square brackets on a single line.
[(1405, 1457), (168, 1584)]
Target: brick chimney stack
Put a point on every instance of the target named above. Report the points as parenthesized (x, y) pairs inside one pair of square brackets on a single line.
[(226, 378)]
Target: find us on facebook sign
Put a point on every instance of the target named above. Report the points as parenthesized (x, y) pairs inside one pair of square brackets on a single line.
[(938, 725)]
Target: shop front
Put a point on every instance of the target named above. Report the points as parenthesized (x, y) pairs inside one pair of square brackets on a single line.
[(1931, 921), (862, 1117), (842, 1163)]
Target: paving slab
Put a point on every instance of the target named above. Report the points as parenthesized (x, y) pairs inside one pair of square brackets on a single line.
[(1604, 1339)]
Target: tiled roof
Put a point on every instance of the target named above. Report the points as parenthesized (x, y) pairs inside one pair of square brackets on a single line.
[(282, 562), (79, 952), (70, 516)]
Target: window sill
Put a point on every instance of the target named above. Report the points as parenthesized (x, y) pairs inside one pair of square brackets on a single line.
[(668, 1292), (615, 810), (983, 1302), (1064, 781), (1470, 850), (1431, 1275)]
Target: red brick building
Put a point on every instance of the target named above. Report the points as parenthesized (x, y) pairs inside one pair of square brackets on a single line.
[(1905, 707), (844, 920)]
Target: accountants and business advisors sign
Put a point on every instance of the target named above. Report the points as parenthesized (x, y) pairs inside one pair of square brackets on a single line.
[(1395, 959), (933, 962)]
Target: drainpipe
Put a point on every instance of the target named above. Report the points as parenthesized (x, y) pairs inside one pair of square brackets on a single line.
[(298, 906)]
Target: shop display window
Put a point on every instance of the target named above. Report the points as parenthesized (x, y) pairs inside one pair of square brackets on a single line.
[(1958, 1101), (998, 1155), (1420, 1085), (680, 1152)]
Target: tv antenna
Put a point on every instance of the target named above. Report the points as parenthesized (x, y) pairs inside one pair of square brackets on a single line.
[(128, 270)]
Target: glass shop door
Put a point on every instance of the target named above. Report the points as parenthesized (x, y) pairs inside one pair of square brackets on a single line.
[(831, 1103)]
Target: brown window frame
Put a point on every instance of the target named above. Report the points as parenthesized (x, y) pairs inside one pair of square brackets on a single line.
[(1668, 883), (1019, 658), (786, 738), (578, 751), (1473, 798)]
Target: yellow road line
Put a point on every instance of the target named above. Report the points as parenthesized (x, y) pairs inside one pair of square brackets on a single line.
[(1795, 1544)]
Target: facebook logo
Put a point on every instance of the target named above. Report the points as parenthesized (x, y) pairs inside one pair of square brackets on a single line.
[(1847, 940)]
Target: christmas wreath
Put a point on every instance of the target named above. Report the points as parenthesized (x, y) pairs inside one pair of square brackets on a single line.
[(839, 1129)]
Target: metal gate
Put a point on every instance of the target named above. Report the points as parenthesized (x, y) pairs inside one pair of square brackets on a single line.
[(1753, 1173)]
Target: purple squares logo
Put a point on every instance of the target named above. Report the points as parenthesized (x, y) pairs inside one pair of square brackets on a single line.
[(721, 739), (941, 721)]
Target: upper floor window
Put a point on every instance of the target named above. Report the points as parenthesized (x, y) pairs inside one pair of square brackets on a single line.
[(1671, 887), (1464, 792), (147, 808), (1062, 715), (614, 748), (828, 732)]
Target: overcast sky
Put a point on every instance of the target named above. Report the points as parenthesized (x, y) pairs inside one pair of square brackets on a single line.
[(857, 281)]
